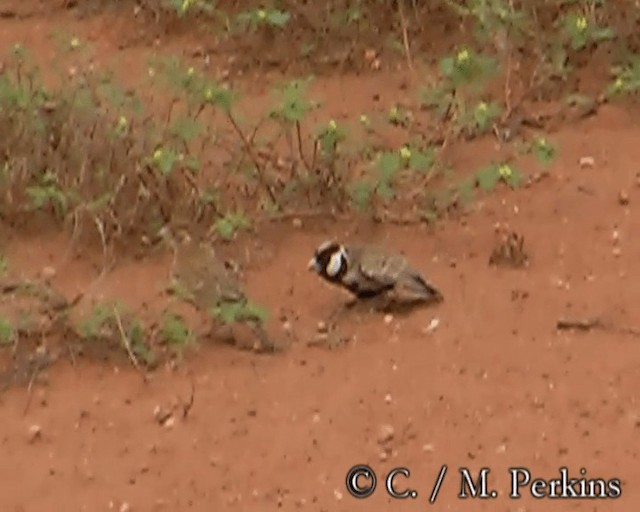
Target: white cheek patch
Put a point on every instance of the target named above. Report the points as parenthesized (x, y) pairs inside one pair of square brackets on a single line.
[(335, 264)]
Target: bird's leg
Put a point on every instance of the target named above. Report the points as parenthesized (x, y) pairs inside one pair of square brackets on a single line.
[(382, 303), (340, 311)]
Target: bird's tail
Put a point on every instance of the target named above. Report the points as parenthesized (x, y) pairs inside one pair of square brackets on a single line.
[(425, 290)]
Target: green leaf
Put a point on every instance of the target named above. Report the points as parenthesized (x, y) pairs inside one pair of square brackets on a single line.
[(384, 191), (488, 177), (514, 180), (447, 66), (422, 161), (225, 228), (543, 150), (388, 165), (278, 18), (253, 311), (466, 190), (7, 332), (362, 192)]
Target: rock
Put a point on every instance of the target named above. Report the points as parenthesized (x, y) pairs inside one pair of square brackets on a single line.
[(623, 198), (48, 273), (587, 162), (385, 434), (35, 433)]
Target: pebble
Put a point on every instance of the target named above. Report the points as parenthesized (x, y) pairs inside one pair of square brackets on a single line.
[(623, 198), (35, 432), (385, 434), (48, 273), (387, 398), (615, 236), (587, 162), (388, 319), (433, 325), (322, 327), (297, 223)]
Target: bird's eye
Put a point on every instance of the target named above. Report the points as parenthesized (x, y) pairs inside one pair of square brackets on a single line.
[(334, 265)]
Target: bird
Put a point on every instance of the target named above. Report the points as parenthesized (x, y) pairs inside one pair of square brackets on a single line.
[(202, 279), (368, 272)]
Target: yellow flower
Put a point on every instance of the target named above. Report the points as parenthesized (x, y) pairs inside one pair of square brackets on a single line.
[(190, 71), (208, 94), (122, 122), (618, 84), (332, 126), (482, 106), (157, 154), (581, 23), (463, 56), (405, 153), (74, 43), (262, 14), (505, 171), (364, 119)]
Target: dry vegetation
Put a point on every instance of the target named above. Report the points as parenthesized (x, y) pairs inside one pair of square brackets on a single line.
[(80, 152)]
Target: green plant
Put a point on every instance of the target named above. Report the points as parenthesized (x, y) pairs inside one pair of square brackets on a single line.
[(489, 176), (7, 332), (175, 332), (227, 225), (257, 18), (626, 78), (580, 31), (544, 151), (239, 311), (184, 7), (457, 96), (4, 265)]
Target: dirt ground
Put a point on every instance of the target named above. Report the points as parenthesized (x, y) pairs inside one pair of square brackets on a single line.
[(494, 385)]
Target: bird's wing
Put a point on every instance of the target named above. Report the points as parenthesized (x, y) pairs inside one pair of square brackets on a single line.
[(394, 271), (380, 267)]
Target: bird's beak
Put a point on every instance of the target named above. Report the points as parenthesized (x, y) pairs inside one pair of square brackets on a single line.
[(312, 265)]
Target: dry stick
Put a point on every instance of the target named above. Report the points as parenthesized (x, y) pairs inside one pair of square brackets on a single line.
[(103, 238), (186, 408), (34, 375), (300, 149), (75, 234), (595, 323), (249, 150), (405, 36), (40, 365), (127, 344), (583, 325)]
